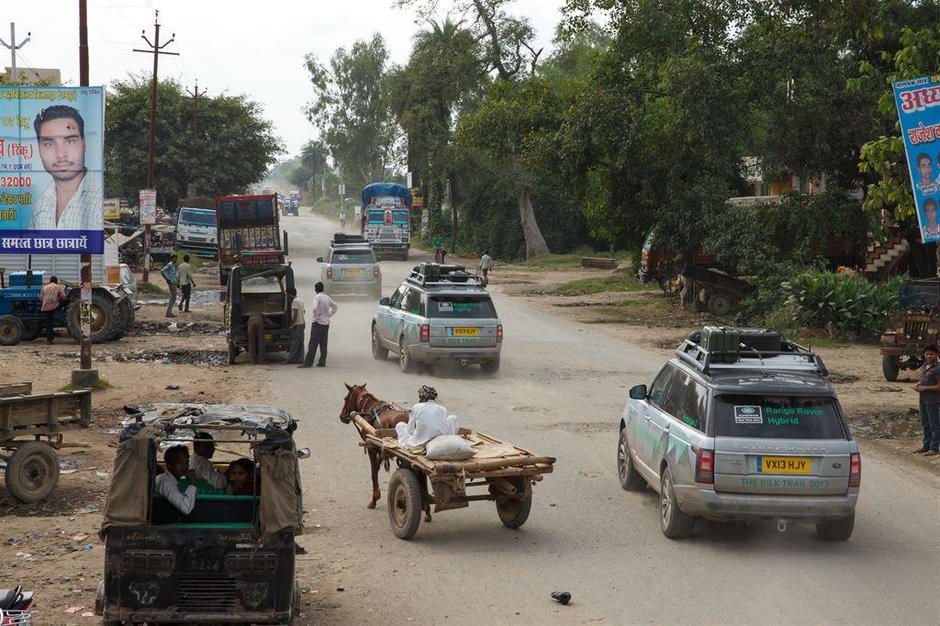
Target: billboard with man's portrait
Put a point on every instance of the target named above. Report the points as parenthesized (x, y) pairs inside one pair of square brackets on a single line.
[(51, 170)]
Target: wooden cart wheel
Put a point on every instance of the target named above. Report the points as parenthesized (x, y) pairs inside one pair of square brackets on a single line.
[(514, 511), (33, 471), (404, 503)]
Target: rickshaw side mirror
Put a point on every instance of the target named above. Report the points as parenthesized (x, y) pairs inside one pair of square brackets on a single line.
[(303, 453)]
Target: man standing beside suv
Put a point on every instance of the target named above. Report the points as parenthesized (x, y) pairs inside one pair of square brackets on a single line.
[(929, 390), (323, 309)]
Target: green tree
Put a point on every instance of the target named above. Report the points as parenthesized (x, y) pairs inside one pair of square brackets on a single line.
[(234, 147), (351, 109), (444, 70), (514, 128)]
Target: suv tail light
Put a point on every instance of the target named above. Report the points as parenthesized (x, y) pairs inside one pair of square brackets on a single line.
[(375, 272), (704, 465), (425, 333), (855, 470), (329, 272), (499, 333)]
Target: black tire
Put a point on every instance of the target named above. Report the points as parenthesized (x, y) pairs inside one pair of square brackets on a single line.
[(12, 330), (630, 479), (379, 352), (104, 318), (405, 363), (232, 353), (890, 367), (33, 471), (674, 523), (490, 367), (720, 304), (836, 530), (513, 512), (404, 503)]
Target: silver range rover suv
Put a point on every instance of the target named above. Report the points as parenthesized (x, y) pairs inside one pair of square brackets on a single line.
[(757, 436), (439, 314)]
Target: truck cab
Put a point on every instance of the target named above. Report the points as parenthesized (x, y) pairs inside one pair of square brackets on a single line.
[(197, 232)]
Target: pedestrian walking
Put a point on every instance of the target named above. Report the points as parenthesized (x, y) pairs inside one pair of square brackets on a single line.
[(437, 241), (297, 327), (53, 295), (486, 263), (323, 309), (168, 272), (929, 390), (255, 329), (185, 275)]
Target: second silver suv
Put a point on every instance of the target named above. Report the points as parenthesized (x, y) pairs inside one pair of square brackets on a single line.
[(439, 314), (351, 268), (745, 434)]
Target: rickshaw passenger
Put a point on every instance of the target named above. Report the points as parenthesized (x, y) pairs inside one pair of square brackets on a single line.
[(241, 477), (170, 484), (209, 479)]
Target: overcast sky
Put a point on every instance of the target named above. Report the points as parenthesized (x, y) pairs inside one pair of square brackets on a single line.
[(235, 46)]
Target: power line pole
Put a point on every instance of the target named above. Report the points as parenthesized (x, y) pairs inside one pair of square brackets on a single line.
[(195, 95), (156, 49), (13, 47), (85, 282)]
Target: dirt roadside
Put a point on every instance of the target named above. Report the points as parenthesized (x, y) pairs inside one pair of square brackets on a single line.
[(53, 545)]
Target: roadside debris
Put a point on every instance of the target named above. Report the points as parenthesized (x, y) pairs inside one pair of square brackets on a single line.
[(562, 596)]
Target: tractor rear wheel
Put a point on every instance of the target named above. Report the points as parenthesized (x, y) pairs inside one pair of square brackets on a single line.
[(104, 318)]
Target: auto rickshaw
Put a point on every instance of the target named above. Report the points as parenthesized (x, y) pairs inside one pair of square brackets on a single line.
[(231, 559)]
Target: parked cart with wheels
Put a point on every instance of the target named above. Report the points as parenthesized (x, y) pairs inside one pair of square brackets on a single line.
[(506, 478), (711, 290), (31, 431)]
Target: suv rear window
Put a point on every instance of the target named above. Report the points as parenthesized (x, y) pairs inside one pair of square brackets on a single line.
[(777, 417), (353, 256), (461, 307)]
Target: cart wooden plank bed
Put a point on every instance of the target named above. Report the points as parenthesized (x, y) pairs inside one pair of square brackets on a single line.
[(31, 430), (420, 482)]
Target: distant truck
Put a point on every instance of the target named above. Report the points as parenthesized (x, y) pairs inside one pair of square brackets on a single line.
[(248, 232), (386, 218), (196, 231)]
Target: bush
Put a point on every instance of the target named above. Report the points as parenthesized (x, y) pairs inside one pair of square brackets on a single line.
[(847, 306)]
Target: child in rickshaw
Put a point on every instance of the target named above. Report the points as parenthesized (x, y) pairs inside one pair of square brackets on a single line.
[(241, 478)]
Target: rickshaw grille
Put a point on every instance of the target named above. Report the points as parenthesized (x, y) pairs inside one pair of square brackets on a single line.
[(206, 593)]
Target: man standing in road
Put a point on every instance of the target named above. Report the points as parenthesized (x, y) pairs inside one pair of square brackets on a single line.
[(486, 262), (297, 326), (185, 275), (53, 295), (323, 309), (168, 272), (929, 390), (73, 201), (254, 326)]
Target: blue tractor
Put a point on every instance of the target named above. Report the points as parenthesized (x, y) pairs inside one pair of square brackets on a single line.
[(21, 318)]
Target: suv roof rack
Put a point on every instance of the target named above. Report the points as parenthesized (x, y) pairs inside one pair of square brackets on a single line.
[(793, 358), (344, 239), (427, 274)]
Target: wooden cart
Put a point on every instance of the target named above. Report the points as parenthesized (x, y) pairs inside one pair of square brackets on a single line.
[(31, 428), (419, 482)]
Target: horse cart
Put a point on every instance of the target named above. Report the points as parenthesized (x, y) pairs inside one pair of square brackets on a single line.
[(499, 472), (31, 430)]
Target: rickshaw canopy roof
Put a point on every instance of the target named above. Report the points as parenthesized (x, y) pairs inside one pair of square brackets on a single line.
[(175, 415)]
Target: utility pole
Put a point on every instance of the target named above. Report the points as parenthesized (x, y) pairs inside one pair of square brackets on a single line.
[(13, 47), (85, 283), (195, 95), (156, 49)]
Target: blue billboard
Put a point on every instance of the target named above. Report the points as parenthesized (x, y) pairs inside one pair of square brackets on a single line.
[(51, 170)]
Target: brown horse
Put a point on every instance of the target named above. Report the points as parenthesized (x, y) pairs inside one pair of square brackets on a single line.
[(378, 413)]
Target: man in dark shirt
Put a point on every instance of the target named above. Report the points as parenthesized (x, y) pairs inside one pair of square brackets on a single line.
[(929, 390)]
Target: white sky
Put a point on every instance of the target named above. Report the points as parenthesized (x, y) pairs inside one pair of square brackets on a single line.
[(254, 47)]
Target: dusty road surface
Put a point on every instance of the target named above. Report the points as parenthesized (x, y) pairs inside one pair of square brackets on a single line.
[(559, 392)]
